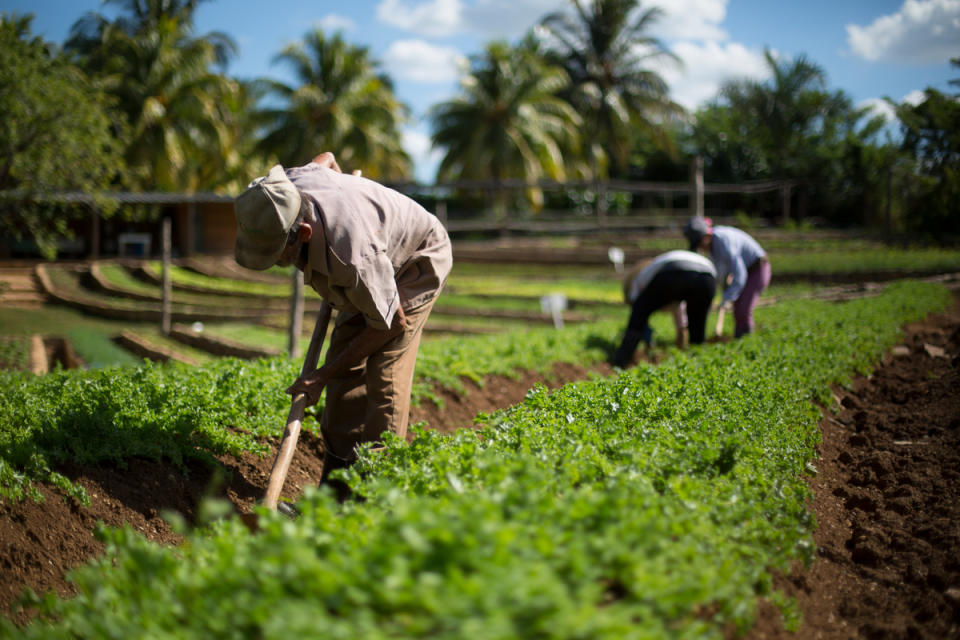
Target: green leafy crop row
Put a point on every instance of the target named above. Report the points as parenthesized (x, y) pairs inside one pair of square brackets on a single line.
[(183, 276), (15, 353), (879, 259), (171, 412), (651, 504), (176, 412)]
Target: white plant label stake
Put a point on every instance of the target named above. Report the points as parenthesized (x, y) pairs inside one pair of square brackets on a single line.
[(554, 304), (616, 257)]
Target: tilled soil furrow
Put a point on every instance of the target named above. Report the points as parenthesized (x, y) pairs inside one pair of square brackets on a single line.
[(887, 501)]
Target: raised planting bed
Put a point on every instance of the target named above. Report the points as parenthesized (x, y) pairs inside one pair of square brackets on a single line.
[(227, 268), (659, 502), (64, 286), (219, 346), (189, 280), (117, 280), (151, 349)]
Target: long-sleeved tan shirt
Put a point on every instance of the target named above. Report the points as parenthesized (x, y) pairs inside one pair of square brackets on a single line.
[(373, 249)]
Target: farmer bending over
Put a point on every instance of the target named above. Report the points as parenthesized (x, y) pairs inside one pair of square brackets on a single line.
[(374, 255), (681, 280), (740, 258)]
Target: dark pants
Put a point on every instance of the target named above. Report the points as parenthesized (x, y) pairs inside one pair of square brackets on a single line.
[(696, 288)]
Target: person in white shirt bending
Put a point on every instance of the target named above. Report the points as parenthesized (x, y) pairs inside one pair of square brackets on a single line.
[(681, 279)]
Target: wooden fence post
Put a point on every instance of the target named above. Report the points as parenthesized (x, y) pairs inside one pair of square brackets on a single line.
[(167, 285), (696, 187), (94, 233), (601, 204), (785, 202), (887, 222)]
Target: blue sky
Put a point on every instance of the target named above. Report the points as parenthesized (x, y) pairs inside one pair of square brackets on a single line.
[(868, 48)]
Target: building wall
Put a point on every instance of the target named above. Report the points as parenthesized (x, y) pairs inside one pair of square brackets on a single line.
[(204, 228), (217, 228)]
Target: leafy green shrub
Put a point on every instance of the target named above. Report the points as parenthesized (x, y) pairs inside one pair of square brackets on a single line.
[(15, 353), (744, 220), (650, 504), (840, 260), (171, 412), (176, 412)]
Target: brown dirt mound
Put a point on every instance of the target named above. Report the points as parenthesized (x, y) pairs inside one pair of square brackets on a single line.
[(886, 498), (887, 501)]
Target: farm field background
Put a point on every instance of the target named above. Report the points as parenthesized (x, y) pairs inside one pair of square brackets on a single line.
[(249, 309), (657, 502)]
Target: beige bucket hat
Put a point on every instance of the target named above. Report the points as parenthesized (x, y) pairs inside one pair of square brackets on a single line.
[(265, 212)]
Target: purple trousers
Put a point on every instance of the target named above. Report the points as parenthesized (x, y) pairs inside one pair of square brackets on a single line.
[(758, 279)]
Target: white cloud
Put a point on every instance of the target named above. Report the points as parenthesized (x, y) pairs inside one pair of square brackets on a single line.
[(430, 18), (695, 34), (922, 31), (488, 19), (690, 19), (706, 66), (508, 19), (681, 19), (420, 61), (888, 111), (880, 107), (915, 97), (333, 22)]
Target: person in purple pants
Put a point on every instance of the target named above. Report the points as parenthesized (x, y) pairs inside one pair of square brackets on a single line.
[(738, 258)]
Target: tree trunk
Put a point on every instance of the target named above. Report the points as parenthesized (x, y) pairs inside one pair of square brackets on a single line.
[(696, 187)]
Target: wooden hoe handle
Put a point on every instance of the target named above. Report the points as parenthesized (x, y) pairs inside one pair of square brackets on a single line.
[(288, 445)]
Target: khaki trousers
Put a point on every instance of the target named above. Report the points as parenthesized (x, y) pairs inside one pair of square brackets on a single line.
[(373, 396)]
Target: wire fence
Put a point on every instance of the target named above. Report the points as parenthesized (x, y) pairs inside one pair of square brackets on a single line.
[(467, 208)]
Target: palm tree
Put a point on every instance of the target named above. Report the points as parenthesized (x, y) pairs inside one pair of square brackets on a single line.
[(508, 122), (792, 106), (341, 104), (790, 126), (179, 111), (606, 51)]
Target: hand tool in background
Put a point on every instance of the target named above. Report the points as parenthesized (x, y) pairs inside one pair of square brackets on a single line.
[(720, 314)]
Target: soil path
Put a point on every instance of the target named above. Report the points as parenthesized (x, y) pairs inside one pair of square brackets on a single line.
[(887, 501), (887, 498)]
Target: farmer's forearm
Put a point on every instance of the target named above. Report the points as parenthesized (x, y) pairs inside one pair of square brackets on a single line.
[(366, 343)]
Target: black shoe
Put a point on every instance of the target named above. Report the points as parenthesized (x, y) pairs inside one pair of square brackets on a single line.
[(621, 359)]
